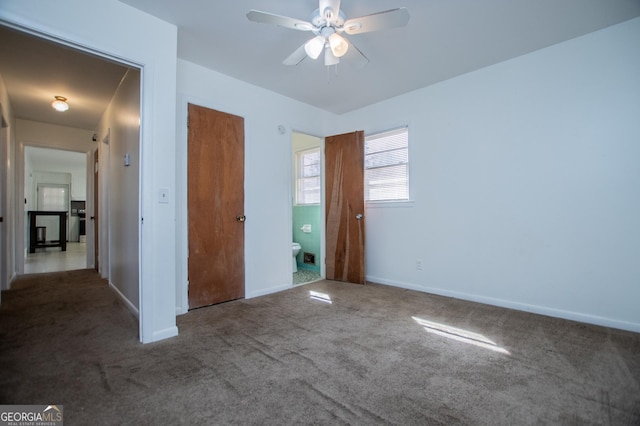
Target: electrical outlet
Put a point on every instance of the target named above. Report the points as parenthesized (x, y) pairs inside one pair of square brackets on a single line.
[(419, 265)]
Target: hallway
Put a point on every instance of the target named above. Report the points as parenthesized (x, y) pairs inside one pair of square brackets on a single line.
[(55, 260)]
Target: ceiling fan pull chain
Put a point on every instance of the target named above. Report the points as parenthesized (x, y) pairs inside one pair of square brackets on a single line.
[(335, 68)]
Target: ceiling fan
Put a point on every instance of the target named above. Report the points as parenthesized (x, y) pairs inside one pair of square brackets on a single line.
[(328, 23)]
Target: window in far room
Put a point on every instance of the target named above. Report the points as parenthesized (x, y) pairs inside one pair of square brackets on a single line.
[(308, 176)]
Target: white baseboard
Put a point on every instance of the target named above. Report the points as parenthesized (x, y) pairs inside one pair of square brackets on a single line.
[(126, 301), (11, 280), (271, 290), (163, 334), (181, 310), (541, 310)]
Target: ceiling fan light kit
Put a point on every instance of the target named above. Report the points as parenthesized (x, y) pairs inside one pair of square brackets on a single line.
[(330, 58), (338, 45), (314, 46), (328, 23)]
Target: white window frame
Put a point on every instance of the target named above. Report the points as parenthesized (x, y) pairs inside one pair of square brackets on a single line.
[(299, 178), (389, 201)]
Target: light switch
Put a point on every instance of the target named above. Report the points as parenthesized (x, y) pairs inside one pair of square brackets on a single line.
[(163, 195)]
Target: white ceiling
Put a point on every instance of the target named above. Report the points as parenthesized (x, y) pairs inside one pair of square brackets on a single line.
[(444, 38), (35, 70), (56, 160)]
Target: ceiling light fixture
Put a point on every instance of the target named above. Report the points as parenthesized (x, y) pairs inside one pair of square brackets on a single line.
[(338, 44), (330, 58), (60, 104), (329, 26), (314, 47)]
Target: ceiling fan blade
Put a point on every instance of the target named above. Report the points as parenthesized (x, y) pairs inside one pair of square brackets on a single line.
[(356, 56), (281, 21), (296, 57), (378, 21)]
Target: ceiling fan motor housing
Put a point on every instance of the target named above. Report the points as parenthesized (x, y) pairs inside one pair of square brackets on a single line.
[(327, 19)]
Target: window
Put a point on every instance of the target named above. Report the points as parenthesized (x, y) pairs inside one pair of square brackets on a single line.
[(308, 176), (386, 163), (53, 197)]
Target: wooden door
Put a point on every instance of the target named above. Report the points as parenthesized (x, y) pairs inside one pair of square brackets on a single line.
[(344, 171), (216, 206), (94, 218)]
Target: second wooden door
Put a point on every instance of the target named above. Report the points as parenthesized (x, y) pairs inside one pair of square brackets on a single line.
[(344, 170), (216, 206)]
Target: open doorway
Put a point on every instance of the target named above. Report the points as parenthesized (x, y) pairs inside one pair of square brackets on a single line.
[(56, 181), (91, 85), (152, 53), (104, 104), (307, 209)]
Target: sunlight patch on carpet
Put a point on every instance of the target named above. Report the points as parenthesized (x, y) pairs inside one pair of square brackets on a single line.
[(323, 297), (460, 335)]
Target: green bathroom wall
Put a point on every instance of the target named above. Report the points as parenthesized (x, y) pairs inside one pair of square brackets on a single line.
[(307, 215)]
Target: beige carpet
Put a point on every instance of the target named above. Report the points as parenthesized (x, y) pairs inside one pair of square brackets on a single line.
[(323, 353)]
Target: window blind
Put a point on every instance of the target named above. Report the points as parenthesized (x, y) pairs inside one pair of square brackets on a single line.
[(387, 166)]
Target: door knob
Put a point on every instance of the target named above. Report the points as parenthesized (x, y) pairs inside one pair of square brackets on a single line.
[(359, 216), (241, 218)]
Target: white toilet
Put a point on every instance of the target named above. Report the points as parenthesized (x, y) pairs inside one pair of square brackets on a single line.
[(296, 249)]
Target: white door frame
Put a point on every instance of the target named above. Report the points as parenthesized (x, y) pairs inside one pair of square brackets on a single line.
[(104, 176), (5, 221), (152, 51), (322, 230)]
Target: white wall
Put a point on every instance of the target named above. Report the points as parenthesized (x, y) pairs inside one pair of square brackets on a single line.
[(7, 190), (526, 181), (267, 171), (113, 29), (119, 205)]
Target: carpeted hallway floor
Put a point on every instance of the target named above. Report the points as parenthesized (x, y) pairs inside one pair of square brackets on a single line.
[(323, 353)]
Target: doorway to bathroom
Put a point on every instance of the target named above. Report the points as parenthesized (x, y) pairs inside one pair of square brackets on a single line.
[(307, 209)]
